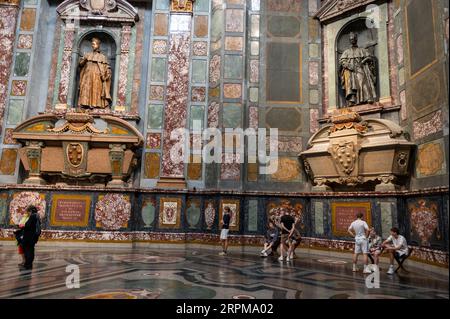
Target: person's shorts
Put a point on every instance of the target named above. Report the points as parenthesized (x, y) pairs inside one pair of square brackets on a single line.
[(361, 246), (224, 234), (284, 238), (295, 240)]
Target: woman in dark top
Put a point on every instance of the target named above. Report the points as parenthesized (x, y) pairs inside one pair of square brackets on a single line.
[(30, 237), (287, 226)]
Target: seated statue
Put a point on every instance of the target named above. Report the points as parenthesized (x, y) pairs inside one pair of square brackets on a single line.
[(95, 79)]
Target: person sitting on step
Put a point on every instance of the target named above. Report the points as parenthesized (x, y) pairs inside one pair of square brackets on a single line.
[(396, 246)]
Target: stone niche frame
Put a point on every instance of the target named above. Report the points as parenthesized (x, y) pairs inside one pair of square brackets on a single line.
[(115, 19), (337, 15)]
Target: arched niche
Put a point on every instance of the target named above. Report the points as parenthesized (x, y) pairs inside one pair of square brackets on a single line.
[(108, 47), (367, 38)]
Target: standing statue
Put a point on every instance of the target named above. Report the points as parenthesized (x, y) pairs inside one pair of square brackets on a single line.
[(95, 79), (358, 74)]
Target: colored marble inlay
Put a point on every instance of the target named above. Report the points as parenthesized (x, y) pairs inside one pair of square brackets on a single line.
[(69, 36), (253, 118), (214, 70), (234, 20), (123, 68), (200, 48), (8, 161), (176, 105), (293, 6), (213, 115), (288, 144), (313, 120), (8, 20), (8, 137), (431, 159), (25, 41), (201, 26), (161, 24), (152, 165), (153, 141), (159, 47), (198, 94), (254, 71), (234, 43), (157, 92), (288, 170), (28, 19), (232, 91), (230, 168), (19, 87), (424, 128)]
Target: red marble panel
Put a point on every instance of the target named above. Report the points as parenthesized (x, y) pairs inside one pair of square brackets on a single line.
[(25, 41), (19, 88), (175, 111)]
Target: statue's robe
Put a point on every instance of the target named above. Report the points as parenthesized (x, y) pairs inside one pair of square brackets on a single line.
[(95, 81), (357, 78)]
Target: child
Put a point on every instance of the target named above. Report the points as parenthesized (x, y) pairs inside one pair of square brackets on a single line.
[(19, 235), (375, 243), (272, 239)]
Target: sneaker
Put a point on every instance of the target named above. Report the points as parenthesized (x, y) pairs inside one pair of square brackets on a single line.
[(367, 270), (355, 269), (265, 254), (288, 258), (292, 256), (390, 270), (222, 253), (262, 252), (281, 258)]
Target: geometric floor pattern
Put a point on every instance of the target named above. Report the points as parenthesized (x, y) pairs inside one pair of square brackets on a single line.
[(148, 273)]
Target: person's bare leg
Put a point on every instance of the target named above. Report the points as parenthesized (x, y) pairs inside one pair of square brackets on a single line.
[(226, 245), (376, 258), (366, 259)]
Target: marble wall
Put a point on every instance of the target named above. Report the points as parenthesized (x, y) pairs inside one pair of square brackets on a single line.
[(91, 214)]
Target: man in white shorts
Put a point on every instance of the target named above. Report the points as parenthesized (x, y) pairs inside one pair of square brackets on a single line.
[(226, 218), (360, 231), (395, 245)]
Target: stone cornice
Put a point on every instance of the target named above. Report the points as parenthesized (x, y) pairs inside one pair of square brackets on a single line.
[(334, 8), (15, 3)]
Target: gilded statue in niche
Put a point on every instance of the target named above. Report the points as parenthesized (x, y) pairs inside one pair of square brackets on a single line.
[(358, 75), (95, 79)]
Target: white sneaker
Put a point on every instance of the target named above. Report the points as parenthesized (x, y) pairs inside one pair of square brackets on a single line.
[(263, 251), (288, 259), (281, 258), (367, 270), (390, 270), (265, 254), (355, 269), (222, 253)]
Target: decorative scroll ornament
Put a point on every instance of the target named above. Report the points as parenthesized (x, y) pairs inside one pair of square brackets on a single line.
[(182, 6), (344, 155), (347, 120), (98, 7), (78, 123)]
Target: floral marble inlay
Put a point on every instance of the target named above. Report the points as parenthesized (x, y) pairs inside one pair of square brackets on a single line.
[(159, 47), (157, 92), (176, 105), (113, 211), (153, 141), (200, 48), (232, 91), (8, 137), (19, 87), (434, 125), (20, 203), (424, 220), (198, 94), (123, 68), (25, 41), (231, 167)]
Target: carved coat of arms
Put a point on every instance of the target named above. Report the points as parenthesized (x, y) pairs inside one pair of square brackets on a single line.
[(344, 155), (75, 154)]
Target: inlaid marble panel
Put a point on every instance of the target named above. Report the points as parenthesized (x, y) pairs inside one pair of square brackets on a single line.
[(284, 5), (8, 139), (175, 111), (234, 43), (431, 159), (430, 125), (233, 67), (213, 114), (157, 92), (28, 19), (153, 141), (201, 26), (232, 91), (8, 161), (152, 165), (199, 71), (159, 46), (15, 111), (25, 41), (234, 20), (200, 48), (161, 24), (198, 94)]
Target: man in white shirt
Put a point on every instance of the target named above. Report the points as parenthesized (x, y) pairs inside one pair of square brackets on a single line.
[(395, 245), (360, 231)]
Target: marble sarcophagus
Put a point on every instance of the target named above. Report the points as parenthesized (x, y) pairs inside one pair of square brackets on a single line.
[(352, 153), (78, 149)]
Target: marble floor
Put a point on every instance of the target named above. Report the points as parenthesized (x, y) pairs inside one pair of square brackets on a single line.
[(149, 273)]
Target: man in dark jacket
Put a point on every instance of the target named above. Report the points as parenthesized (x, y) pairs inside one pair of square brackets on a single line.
[(30, 236)]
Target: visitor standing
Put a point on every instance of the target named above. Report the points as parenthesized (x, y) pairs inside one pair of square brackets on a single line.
[(287, 227), (31, 233), (359, 230), (226, 218)]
